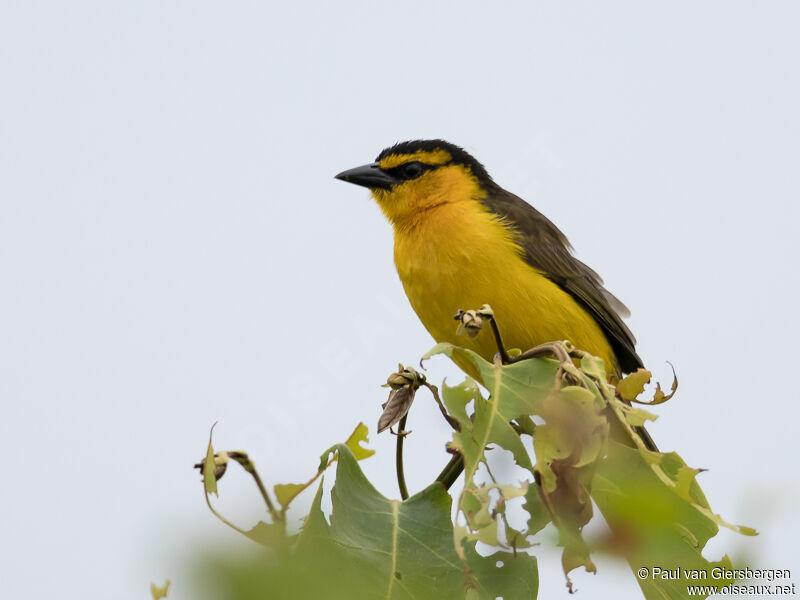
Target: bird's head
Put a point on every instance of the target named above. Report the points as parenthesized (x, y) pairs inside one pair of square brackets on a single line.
[(410, 178)]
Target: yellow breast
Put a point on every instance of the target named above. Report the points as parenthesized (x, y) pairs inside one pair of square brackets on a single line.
[(459, 256)]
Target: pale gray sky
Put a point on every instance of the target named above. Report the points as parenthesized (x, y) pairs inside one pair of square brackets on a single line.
[(175, 251)]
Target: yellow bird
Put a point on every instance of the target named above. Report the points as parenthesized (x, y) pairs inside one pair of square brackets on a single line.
[(461, 241)]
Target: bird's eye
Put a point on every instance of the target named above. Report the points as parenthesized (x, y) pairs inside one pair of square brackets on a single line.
[(412, 170)]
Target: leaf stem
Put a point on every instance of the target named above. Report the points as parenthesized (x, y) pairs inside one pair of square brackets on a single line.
[(220, 517), (435, 393)]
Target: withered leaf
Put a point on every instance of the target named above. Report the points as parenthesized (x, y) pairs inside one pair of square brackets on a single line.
[(396, 407)]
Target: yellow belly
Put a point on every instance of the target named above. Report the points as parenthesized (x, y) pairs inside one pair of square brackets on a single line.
[(461, 257)]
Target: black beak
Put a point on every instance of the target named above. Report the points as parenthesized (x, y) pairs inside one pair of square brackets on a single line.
[(370, 176)]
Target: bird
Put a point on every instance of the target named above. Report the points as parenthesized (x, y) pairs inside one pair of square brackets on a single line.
[(462, 241)]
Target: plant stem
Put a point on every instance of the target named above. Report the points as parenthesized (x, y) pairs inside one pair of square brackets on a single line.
[(451, 471), (244, 460), (499, 340), (401, 478), (220, 517), (264, 494), (556, 349)]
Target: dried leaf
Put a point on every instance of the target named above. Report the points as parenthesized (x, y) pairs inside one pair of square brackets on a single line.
[(396, 407), (660, 397)]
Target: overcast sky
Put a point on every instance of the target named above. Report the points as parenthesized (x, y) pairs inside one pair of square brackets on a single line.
[(174, 250)]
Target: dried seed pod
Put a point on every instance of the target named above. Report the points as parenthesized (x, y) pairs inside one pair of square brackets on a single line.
[(470, 323)]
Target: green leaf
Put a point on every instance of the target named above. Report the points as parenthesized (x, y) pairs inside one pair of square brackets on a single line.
[(572, 462), (594, 367), (286, 492), (355, 440), (660, 520), (398, 546), (633, 385), (515, 390), (515, 577), (659, 397), (523, 385), (573, 436), (376, 547), (539, 515), (272, 535), (159, 592), (209, 478), (636, 417)]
